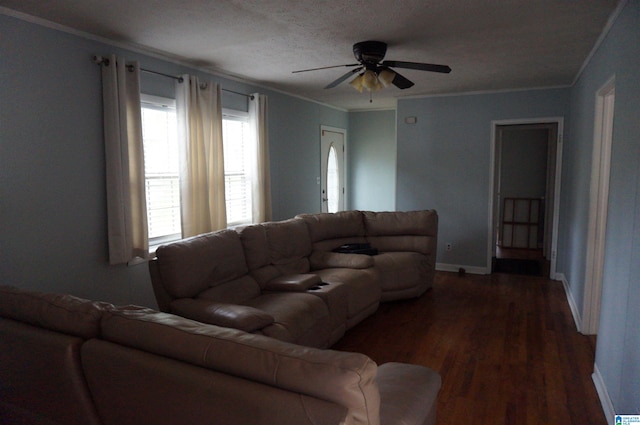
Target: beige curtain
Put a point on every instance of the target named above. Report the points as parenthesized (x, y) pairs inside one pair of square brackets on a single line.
[(261, 179), (201, 157), (126, 204)]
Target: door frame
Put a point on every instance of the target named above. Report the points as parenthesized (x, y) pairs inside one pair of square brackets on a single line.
[(598, 205), (493, 206), (342, 131)]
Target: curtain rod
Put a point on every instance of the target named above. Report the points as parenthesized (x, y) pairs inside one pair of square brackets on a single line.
[(100, 60)]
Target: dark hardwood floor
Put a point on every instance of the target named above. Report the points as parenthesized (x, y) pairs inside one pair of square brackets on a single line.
[(505, 345)]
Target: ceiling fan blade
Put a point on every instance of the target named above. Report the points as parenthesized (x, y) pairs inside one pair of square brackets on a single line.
[(344, 77), (401, 82), (325, 67), (419, 66)]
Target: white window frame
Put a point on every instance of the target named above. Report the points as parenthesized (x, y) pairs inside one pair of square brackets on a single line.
[(159, 103), (235, 115)]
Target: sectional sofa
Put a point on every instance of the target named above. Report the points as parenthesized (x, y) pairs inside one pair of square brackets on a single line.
[(284, 279), (66, 361)]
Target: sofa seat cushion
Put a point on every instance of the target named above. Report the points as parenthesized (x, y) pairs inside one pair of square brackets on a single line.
[(344, 378), (190, 266), (299, 318), (408, 394), (57, 312), (236, 316)]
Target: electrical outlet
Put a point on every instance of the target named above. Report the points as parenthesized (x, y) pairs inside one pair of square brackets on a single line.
[(448, 247)]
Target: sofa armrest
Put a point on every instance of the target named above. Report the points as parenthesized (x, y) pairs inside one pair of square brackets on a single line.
[(245, 318), (327, 260), (408, 394), (293, 283)]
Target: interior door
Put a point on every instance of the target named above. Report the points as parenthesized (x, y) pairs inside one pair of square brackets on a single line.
[(332, 166)]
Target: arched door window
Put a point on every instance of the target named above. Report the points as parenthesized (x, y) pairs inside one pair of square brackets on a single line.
[(332, 170), (333, 181)]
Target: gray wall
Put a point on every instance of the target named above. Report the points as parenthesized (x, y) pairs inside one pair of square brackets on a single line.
[(52, 197), (523, 170), (618, 343), (294, 138), (52, 202), (444, 161), (372, 160), (523, 163)]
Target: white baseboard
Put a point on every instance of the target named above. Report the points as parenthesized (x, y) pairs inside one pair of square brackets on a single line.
[(601, 388), (456, 268), (603, 394), (575, 312)]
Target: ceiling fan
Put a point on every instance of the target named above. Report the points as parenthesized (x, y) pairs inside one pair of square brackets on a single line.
[(376, 72)]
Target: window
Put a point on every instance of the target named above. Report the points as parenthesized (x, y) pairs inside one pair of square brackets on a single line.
[(333, 181), (162, 177), (238, 146), (162, 180)]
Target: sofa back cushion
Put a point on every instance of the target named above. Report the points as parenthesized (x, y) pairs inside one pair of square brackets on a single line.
[(330, 230), (289, 245), (57, 312), (194, 265), (414, 231), (344, 378), (41, 378), (130, 386), (254, 243), (40, 372), (276, 248), (256, 250)]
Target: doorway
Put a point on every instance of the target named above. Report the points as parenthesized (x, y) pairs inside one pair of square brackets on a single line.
[(332, 169), (525, 186)]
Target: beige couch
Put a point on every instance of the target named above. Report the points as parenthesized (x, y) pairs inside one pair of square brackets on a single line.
[(282, 279), (66, 360)]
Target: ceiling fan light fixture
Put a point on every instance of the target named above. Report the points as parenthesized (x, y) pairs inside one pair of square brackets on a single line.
[(386, 77), (377, 73), (370, 80), (366, 80), (356, 83)]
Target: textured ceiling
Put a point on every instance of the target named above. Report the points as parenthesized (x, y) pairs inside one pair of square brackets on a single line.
[(490, 45)]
